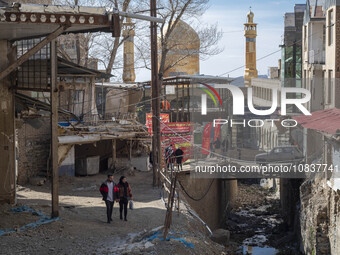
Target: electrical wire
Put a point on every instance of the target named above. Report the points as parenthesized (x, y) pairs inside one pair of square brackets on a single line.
[(193, 198)]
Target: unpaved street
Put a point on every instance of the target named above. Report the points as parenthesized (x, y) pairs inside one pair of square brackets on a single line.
[(82, 228)]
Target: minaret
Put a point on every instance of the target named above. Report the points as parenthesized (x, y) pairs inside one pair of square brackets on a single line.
[(250, 32), (129, 55)]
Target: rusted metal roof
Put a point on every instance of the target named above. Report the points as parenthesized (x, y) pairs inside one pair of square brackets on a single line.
[(327, 121)]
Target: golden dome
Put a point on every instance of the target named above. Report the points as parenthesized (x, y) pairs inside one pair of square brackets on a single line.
[(183, 41), (183, 37)]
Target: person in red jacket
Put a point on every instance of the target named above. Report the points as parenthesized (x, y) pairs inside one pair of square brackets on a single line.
[(123, 194), (108, 190)]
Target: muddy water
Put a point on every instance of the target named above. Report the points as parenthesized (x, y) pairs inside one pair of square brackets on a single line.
[(256, 226), (257, 244)]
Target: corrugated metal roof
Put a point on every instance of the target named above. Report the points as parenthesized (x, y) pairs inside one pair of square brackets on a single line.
[(327, 121)]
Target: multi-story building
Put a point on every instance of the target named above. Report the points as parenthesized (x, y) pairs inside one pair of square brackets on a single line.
[(321, 66), (291, 54), (321, 131)]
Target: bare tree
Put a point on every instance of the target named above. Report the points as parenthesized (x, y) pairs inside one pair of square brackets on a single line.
[(99, 45), (82, 42), (173, 37)]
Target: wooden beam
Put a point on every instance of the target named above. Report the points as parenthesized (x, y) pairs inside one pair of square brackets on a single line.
[(114, 153), (32, 51), (54, 131), (168, 216)]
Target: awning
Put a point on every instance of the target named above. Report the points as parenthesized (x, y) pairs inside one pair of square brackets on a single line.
[(327, 121), (29, 101), (67, 68)]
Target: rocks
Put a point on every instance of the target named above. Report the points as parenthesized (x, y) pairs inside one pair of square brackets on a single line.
[(221, 236), (148, 246), (156, 241)]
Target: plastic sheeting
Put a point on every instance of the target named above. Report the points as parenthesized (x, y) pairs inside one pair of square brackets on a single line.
[(42, 220), (159, 233)]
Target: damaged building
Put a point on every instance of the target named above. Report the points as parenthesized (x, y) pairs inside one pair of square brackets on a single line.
[(37, 78)]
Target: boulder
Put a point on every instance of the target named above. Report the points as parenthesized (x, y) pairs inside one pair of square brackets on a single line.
[(221, 236)]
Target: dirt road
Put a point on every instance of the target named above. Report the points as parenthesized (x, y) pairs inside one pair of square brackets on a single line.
[(82, 228)]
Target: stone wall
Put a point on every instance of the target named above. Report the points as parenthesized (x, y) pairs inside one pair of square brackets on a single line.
[(320, 208), (33, 147), (314, 217)]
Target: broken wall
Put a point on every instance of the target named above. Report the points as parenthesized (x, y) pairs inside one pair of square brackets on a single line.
[(117, 101), (320, 209), (34, 138)]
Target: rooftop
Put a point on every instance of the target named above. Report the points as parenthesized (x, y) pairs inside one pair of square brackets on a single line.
[(193, 79), (327, 121)]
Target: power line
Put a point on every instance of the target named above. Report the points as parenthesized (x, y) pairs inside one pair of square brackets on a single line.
[(193, 198)]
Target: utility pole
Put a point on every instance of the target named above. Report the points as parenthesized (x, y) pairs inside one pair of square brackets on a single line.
[(156, 141), (54, 130)]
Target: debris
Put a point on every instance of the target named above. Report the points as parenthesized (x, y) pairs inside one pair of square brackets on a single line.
[(221, 236), (148, 245)]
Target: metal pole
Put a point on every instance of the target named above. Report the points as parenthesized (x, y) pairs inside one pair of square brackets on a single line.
[(155, 96), (54, 130), (152, 19)]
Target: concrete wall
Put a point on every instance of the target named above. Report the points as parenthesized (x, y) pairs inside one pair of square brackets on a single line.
[(209, 208), (117, 100), (314, 150), (33, 147), (102, 149), (213, 206), (67, 167)]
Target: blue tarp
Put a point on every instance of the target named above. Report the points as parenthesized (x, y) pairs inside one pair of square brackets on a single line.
[(43, 220), (158, 235)]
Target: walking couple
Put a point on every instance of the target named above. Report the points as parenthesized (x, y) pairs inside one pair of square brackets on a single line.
[(112, 192)]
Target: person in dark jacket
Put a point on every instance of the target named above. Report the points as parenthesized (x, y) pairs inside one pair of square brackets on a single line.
[(179, 158), (108, 190), (123, 194)]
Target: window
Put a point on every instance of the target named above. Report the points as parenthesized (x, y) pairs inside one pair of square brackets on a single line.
[(305, 38), (324, 37), (330, 86), (330, 27)]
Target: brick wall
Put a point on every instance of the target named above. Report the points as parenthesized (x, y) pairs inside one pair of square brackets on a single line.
[(33, 136)]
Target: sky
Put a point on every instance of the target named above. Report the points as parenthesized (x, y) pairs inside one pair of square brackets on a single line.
[(230, 16)]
